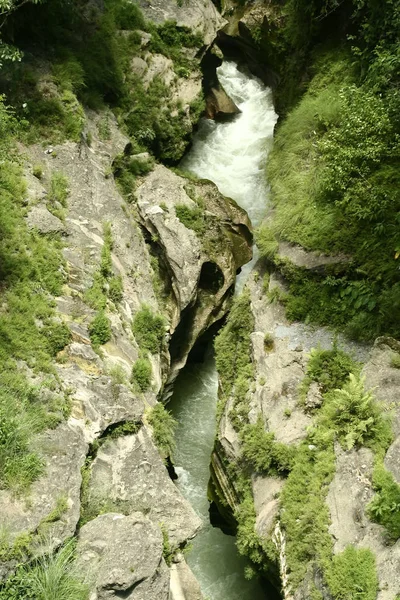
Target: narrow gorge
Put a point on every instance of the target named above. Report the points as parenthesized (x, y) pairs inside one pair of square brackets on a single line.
[(199, 300)]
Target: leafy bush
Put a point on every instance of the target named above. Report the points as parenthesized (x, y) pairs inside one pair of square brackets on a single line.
[(329, 368), (384, 508), (58, 336), (163, 425), (142, 374), (263, 452), (149, 329), (356, 416), (351, 575), (99, 329), (115, 289)]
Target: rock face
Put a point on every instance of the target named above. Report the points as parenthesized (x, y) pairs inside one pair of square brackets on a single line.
[(199, 15), (98, 393), (279, 353), (129, 471), (123, 555), (201, 251)]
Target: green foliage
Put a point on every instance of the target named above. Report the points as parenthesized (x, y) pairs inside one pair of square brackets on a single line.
[(247, 541), (142, 374), (269, 342), (192, 218), (115, 289), (395, 361), (385, 505), (266, 242), (106, 261), (58, 193), (167, 550), (49, 578), (356, 417), (329, 368), (351, 575), (58, 336), (163, 425), (233, 344), (334, 180), (149, 330), (99, 329), (305, 517), (263, 453)]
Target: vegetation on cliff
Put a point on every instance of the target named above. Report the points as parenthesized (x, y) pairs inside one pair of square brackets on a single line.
[(334, 169)]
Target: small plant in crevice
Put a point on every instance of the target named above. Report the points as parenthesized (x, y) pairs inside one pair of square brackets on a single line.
[(164, 425), (50, 577), (167, 550)]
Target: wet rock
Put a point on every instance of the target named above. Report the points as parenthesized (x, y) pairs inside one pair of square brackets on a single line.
[(219, 106), (121, 556)]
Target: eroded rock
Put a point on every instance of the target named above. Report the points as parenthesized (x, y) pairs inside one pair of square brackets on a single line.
[(130, 470), (121, 556)]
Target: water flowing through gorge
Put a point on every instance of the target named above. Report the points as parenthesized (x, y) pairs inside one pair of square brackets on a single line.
[(233, 156)]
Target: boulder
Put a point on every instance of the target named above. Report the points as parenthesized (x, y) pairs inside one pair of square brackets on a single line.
[(219, 106), (129, 470), (44, 221), (121, 557)]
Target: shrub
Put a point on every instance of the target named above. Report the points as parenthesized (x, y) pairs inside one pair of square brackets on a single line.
[(268, 342), (163, 425), (37, 171), (149, 330), (115, 289), (58, 336), (99, 329), (263, 452), (142, 373), (385, 505), (356, 417), (351, 575), (106, 260), (329, 368)]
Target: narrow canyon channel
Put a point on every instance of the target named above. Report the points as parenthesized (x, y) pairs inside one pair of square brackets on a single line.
[(233, 156)]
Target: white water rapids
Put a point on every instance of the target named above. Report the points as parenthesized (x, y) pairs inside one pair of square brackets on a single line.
[(232, 155)]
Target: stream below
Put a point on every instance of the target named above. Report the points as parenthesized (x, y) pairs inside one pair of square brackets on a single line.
[(233, 156)]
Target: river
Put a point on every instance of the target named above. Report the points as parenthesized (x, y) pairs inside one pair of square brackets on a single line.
[(233, 156)]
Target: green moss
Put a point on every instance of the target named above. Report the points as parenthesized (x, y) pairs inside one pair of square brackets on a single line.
[(192, 218), (351, 575)]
